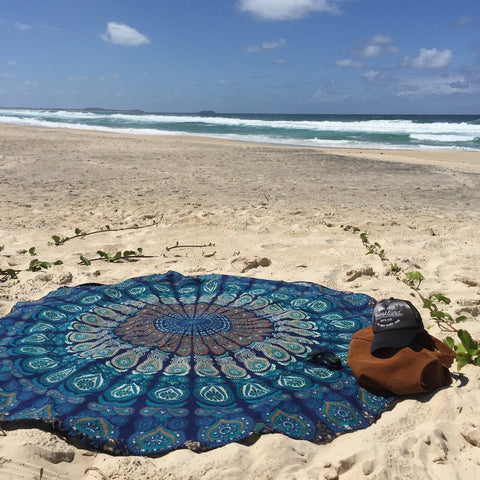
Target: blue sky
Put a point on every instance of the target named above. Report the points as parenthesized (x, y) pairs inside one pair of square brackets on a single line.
[(269, 56)]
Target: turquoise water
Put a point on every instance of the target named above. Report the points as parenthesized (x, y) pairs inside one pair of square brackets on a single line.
[(426, 132)]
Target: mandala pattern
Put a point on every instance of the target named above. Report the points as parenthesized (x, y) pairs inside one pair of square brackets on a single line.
[(166, 361)]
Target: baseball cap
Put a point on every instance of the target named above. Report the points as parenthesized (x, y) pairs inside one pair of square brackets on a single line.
[(395, 324)]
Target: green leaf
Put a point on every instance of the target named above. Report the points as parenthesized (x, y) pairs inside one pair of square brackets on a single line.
[(57, 240), (32, 251), (463, 359), (36, 265), (428, 304), (446, 317), (117, 256), (58, 262), (461, 318), (140, 251), (450, 342), (2, 247), (440, 298), (11, 273), (85, 260), (78, 231), (470, 346), (415, 276)]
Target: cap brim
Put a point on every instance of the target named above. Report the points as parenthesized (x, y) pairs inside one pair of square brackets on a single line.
[(393, 339)]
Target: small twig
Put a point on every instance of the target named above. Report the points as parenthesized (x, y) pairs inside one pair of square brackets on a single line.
[(96, 469), (177, 245)]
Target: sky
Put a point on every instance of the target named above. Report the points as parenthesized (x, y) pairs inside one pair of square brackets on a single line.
[(242, 56)]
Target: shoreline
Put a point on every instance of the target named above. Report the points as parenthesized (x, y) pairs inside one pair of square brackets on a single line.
[(470, 160), (297, 207)]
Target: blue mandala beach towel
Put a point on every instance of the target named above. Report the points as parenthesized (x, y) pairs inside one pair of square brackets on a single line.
[(168, 361)]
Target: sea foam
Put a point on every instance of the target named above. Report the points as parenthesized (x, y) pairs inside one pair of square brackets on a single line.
[(367, 131)]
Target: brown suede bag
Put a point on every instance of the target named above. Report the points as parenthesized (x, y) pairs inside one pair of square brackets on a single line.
[(419, 367)]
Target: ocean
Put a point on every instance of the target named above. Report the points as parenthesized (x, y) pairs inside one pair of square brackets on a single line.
[(424, 132)]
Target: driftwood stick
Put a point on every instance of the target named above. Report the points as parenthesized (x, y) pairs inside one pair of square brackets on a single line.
[(177, 245)]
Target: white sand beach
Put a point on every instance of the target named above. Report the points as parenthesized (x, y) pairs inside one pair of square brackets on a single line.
[(281, 213)]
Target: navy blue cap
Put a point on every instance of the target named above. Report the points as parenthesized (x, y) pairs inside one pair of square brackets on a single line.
[(395, 324)]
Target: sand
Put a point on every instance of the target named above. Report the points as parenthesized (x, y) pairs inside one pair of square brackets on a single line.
[(282, 213)]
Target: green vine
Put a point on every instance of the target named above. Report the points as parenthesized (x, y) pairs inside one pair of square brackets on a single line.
[(118, 256), (79, 233), (36, 265), (468, 350)]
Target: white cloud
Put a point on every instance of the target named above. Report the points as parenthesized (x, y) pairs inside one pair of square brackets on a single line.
[(377, 46), (372, 75), (379, 38), (463, 21), (266, 46), (22, 26), (49, 27), (321, 96), (253, 48), (27, 85), (349, 63), (287, 9), (329, 91), (432, 58), (444, 85), (370, 51), (274, 44), (121, 34), (75, 78)]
